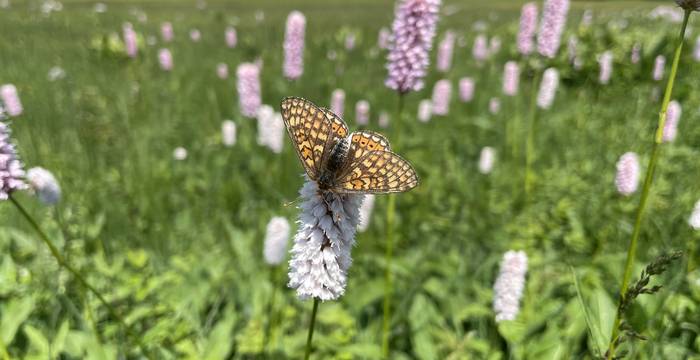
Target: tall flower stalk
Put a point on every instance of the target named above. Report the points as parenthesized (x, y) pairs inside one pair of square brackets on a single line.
[(653, 159), (413, 32)]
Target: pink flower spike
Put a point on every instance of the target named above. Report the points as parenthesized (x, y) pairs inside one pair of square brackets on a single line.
[(528, 26), (165, 58), (552, 26), (9, 97), (294, 45), (441, 97), (231, 37), (248, 86)]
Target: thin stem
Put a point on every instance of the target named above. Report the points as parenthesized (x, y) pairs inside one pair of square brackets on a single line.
[(530, 140), (388, 286), (62, 262), (658, 138), (312, 323), (270, 311)]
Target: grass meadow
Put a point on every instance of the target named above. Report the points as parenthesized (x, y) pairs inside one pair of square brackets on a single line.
[(176, 246)]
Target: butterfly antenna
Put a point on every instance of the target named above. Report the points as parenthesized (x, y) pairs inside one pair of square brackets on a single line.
[(290, 203)]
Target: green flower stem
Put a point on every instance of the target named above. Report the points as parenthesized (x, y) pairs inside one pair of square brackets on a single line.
[(390, 215), (530, 140), (658, 138), (312, 323), (62, 262)]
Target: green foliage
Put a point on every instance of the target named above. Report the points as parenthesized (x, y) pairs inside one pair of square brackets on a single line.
[(176, 246)]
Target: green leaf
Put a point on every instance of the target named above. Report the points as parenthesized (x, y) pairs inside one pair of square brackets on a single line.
[(14, 313), (38, 344), (221, 338)]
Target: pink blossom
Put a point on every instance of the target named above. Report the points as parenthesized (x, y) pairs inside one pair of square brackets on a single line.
[(294, 45), (166, 31), (511, 77), (248, 86), (222, 71), (441, 97), (673, 116), (445, 50), (425, 110), (466, 89), (338, 102), (384, 38), (627, 177), (130, 40), (480, 51), (413, 31), (195, 35), (606, 67), (548, 88), (551, 27), (494, 105), (528, 26), (659, 64), (165, 58), (231, 37), (9, 97), (362, 112)]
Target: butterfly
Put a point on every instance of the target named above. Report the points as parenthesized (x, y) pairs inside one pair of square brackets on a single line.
[(361, 162)]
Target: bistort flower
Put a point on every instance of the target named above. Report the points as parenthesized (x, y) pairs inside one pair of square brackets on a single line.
[(509, 286), (442, 92), (11, 168), (552, 26), (294, 45), (338, 102), (276, 239), (425, 110), (627, 177), (528, 26), (548, 88), (248, 86), (412, 36), (466, 89), (362, 112), (321, 255), (487, 158), (9, 97), (228, 133), (673, 116)]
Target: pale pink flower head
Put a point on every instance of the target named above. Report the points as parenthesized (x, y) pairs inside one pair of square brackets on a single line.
[(694, 220), (321, 254), (425, 110), (494, 45), (10, 99), (11, 169), (270, 129), (362, 112), (548, 88), (509, 286), (383, 119), (231, 37), (659, 64), (445, 51), (466, 89), (195, 35), (276, 239), (130, 42), (511, 77), (294, 45), (248, 86), (552, 26), (673, 116), (412, 36), (350, 41), (228, 133), (165, 59), (383, 38), (696, 49), (480, 50), (222, 71), (338, 102), (606, 66), (487, 158), (627, 177), (166, 31), (442, 93), (494, 105), (528, 26)]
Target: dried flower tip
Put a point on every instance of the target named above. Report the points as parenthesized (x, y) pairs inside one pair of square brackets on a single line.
[(692, 5), (44, 185)]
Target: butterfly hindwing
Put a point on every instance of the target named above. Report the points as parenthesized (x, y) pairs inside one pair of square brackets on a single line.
[(378, 171), (362, 142)]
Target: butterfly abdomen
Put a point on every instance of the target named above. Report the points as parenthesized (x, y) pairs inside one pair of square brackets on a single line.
[(336, 160)]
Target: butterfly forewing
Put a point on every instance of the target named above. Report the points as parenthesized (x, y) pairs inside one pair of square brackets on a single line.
[(313, 132), (378, 172)]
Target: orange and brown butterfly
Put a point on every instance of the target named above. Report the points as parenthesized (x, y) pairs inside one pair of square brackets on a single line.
[(360, 162)]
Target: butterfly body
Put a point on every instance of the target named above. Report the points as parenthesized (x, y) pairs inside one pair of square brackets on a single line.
[(333, 164), (360, 162)]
